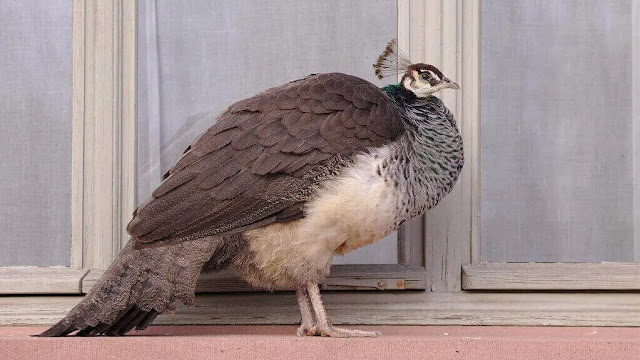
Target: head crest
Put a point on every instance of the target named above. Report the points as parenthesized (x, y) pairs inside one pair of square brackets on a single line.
[(391, 62)]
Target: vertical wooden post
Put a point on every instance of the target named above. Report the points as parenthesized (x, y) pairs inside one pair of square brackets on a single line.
[(445, 33), (103, 129)]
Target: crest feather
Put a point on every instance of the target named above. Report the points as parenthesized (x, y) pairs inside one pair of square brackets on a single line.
[(391, 62)]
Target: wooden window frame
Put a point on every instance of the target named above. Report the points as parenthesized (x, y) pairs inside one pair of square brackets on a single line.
[(103, 148), (447, 33), (479, 275)]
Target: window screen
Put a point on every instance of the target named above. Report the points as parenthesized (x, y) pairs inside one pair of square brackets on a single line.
[(556, 131), (35, 132)]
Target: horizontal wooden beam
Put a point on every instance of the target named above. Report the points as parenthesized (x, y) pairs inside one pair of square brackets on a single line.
[(551, 276), (376, 277), (342, 277), (371, 307), (40, 280)]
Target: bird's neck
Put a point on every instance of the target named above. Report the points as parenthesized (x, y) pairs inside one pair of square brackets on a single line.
[(422, 115), (399, 94), (432, 143)]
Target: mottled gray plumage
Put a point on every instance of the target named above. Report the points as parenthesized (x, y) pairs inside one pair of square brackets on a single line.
[(266, 161), (430, 154)]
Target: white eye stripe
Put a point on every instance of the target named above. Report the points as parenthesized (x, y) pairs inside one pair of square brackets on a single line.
[(434, 75)]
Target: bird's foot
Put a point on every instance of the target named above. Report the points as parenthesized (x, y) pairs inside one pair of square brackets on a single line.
[(306, 330), (334, 331)]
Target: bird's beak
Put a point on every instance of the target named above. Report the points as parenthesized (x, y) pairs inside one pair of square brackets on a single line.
[(450, 84)]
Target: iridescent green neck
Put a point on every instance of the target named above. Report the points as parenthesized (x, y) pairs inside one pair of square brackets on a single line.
[(399, 94)]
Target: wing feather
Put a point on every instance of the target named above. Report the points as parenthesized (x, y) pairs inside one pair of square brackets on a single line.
[(264, 156)]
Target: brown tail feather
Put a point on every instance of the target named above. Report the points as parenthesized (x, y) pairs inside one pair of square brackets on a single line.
[(139, 285)]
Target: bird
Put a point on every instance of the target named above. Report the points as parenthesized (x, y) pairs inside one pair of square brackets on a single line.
[(279, 184)]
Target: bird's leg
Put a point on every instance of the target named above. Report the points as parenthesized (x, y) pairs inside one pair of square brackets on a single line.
[(308, 323), (323, 326)]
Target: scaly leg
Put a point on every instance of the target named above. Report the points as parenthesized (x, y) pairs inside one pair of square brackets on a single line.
[(308, 323), (323, 327)]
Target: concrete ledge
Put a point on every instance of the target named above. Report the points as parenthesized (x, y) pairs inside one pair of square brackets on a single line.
[(278, 342)]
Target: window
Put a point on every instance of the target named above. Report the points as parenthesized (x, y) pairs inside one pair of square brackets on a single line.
[(35, 139), (532, 213), (35, 107), (557, 147)]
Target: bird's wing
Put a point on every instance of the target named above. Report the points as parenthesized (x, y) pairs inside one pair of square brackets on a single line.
[(265, 155)]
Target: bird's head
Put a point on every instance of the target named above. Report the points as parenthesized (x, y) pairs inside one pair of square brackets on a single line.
[(424, 79), (421, 79)]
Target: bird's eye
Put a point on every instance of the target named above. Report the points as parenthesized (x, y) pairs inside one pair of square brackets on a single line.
[(425, 75)]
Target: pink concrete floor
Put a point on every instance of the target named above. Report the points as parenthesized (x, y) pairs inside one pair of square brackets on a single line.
[(279, 342)]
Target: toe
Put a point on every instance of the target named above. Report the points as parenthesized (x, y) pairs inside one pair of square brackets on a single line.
[(356, 333), (306, 330), (333, 331)]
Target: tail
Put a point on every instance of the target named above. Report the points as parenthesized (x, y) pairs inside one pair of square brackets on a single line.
[(137, 287)]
